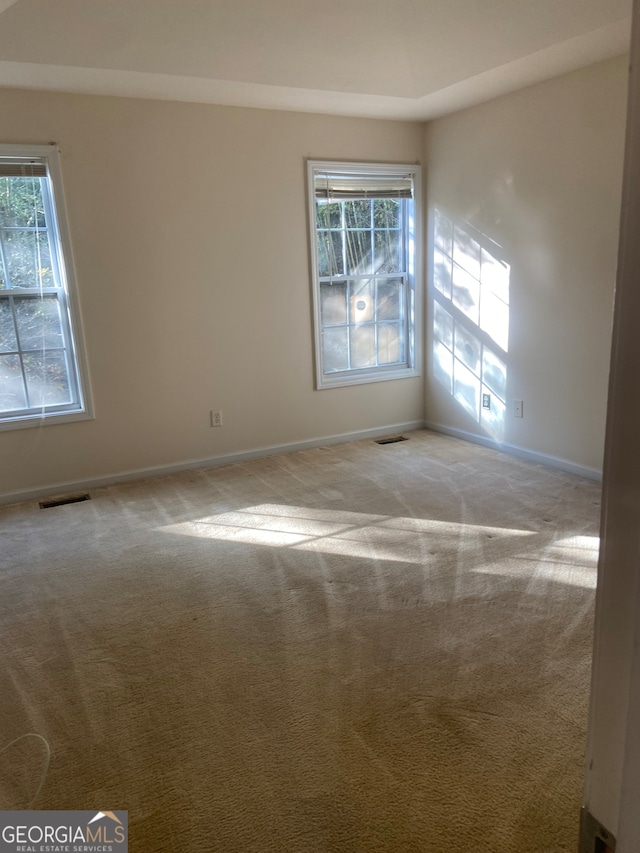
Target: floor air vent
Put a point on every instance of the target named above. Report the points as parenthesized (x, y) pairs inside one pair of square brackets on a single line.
[(393, 440), (70, 499)]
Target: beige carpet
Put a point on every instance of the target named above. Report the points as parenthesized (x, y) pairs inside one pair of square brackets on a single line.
[(358, 648)]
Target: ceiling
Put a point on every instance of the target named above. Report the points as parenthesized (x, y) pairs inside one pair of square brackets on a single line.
[(411, 59)]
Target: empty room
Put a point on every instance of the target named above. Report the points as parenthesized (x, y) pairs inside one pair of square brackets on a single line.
[(306, 321)]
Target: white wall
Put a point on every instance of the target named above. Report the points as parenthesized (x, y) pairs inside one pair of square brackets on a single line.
[(535, 179), (612, 790), (189, 232), (190, 242)]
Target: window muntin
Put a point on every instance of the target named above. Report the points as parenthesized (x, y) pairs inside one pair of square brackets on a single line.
[(40, 372), (363, 222)]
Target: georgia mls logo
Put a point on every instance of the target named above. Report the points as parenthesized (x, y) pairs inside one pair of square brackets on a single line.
[(63, 832), (118, 831), (112, 815)]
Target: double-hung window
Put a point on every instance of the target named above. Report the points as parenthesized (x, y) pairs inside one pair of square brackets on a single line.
[(41, 368), (365, 239)]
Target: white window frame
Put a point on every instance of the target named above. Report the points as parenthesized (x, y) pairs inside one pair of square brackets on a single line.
[(80, 408), (412, 364)]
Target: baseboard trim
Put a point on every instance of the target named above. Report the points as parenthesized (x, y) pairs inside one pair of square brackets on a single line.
[(594, 837), (211, 462), (38, 493), (520, 452)]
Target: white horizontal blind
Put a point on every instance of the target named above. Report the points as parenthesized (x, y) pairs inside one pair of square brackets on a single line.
[(16, 168), (353, 187)]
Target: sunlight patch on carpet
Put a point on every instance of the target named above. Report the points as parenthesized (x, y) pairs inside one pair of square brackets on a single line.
[(335, 532)]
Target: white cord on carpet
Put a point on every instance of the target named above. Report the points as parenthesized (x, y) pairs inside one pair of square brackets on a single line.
[(46, 766)]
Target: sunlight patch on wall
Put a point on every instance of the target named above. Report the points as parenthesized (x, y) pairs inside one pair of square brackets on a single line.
[(470, 315)]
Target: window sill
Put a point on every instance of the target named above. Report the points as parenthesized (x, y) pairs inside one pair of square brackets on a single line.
[(361, 377), (40, 420)]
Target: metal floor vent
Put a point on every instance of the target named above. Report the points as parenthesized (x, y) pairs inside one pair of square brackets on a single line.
[(392, 440), (70, 499)]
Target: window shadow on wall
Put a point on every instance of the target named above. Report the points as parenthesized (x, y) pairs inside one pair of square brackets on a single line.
[(470, 316)]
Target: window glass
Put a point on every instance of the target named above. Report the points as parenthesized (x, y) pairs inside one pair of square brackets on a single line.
[(40, 372), (364, 225)]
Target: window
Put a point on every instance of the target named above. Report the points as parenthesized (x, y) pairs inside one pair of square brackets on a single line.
[(41, 369), (366, 273)]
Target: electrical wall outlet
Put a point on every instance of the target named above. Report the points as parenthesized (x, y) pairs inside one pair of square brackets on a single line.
[(486, 401), (518, 408), (216, 418)]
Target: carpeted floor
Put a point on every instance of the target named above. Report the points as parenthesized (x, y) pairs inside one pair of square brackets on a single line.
[(358, 648)]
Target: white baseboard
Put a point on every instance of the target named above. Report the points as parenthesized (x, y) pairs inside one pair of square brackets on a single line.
[(212, 462), (520, 452), (279, 449)]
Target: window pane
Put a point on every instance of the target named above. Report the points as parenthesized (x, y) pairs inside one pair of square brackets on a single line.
[(389, 299), (38, 322), (386, 213), (21, 202), (328, 215), (358, 252), (11, 386), (333, 303), (38, 371), (47, 379), (330, 261), (357, 214), (28, 258), (367, 272), (363, 346), (390, 349), (361, 301), (7, 329), (334, 350), (388, 252)]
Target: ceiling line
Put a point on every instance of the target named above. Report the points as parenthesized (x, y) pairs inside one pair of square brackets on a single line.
[(604, 43), (4, 5)]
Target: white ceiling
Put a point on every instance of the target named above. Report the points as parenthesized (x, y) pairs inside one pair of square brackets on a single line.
[(413, 59)]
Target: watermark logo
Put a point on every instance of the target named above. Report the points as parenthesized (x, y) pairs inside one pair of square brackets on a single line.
[(64, 832)]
